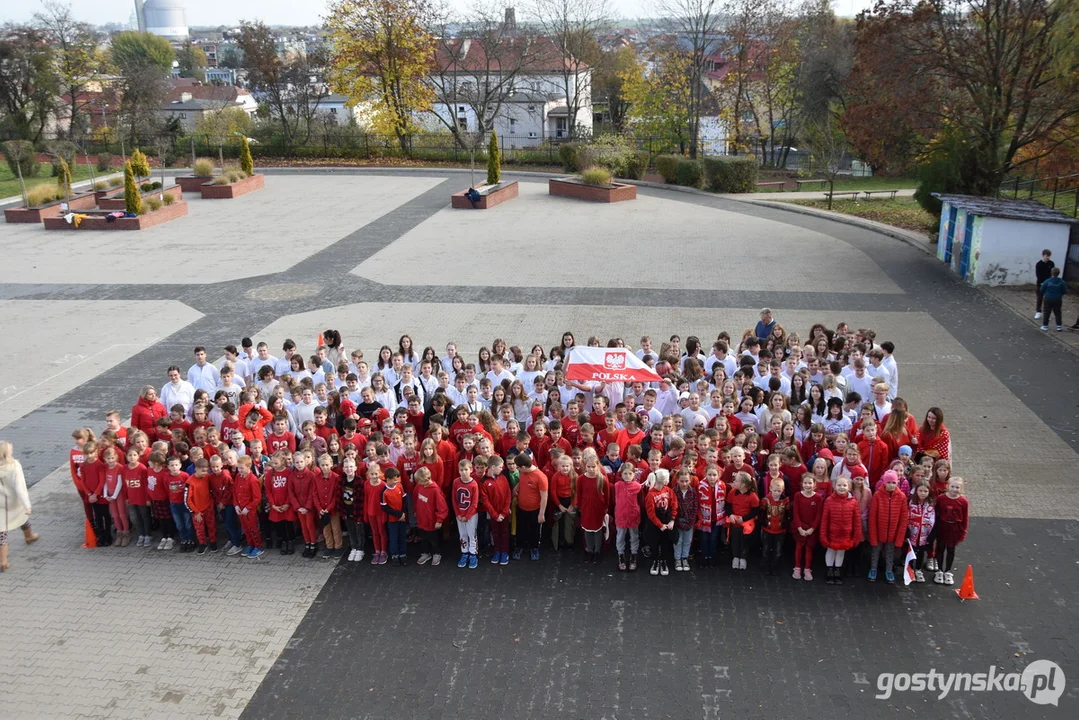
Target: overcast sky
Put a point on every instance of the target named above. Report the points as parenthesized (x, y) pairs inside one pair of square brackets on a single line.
[(287, 12)]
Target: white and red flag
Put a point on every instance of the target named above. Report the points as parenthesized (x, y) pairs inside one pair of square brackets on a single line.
[(587, 364)]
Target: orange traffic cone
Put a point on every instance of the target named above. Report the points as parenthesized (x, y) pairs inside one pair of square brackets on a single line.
[(91, 538), (319, 343), (966, 590)]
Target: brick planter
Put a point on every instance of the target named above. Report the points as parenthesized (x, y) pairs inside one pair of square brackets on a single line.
[(37, 214), (568, 187), (489, 197), (193, 183), (236, 189), (97, 220), (118, 202), (99, 195)]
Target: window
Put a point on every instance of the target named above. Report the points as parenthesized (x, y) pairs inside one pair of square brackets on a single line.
[(183, 116), (513, 121), (460, 108), (531, 134), (531, 108), (333, 111), (463, 124)]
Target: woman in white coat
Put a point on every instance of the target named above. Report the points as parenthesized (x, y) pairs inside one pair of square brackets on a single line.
[(14, 502)]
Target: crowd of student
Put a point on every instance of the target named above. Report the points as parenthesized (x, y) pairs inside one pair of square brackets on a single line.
[(806, 439)]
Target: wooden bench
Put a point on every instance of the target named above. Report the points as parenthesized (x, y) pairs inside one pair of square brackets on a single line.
[(870, 193), (780, 183), (800, 183), (838, 193)]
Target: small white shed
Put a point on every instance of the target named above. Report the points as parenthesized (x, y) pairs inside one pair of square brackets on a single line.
[(997, 241)]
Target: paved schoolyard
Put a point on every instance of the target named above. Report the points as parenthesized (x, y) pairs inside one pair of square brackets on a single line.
[(132, 633)]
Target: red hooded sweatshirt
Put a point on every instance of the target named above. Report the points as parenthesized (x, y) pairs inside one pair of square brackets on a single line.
[(466, 498), (888, 513), (327, 492), (495, 496), (301, 489), (430, 506)]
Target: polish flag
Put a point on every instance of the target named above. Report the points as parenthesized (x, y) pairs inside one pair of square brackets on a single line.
[(588, 364)]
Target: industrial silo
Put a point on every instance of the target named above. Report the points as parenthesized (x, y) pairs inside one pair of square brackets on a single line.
[(167, 18)]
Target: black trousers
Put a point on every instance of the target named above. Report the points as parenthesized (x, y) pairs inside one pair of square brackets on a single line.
[(528, 529), (429, 542), (661, 541), (1052, 307), (102, 524)]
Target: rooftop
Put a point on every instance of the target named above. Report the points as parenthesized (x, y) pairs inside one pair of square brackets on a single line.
[(1013, 208)]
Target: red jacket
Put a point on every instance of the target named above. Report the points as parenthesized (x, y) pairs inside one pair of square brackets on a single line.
[(775, 515), (247, 492), (807, 513), (278, 492), (372, 497), (301, 489), (145, 414), (627, 509), (327, 492), (466, 498), (875, 457), (393, 502), (430, 506), (93, 478), (953, 517), (75, 461), (495, 495), (592, 502), (921, 517), (222, 487), (888, 517), (841, 522), (661, 505)]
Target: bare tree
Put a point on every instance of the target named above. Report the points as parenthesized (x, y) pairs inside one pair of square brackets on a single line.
[(570, 27), (78, 61), (829, 150), (698, 24), (478, 68)]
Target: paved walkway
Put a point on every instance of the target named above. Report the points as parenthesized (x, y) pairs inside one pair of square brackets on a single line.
[(133, 632)]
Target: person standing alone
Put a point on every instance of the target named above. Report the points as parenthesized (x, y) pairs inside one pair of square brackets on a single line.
[(1043, 269)]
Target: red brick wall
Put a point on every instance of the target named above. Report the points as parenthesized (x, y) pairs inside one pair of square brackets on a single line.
[(580, 191), (236, 189)]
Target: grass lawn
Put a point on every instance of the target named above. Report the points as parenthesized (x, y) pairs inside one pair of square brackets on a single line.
[(905, 213), (9, 183)]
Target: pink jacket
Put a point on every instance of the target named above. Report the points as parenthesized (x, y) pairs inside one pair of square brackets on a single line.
[(627, 509)]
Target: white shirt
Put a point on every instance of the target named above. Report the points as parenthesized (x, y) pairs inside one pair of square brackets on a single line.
[(694, 418), (253, 366), (893, 375), (447, 364), (784, 383), (392, 376), (178, 393), (205, 377), (239, 367), (283, 365), (861, 385), (303, 412), (496, 379), (728, 363), (881, 411)]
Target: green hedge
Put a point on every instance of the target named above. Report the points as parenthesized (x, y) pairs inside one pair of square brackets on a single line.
[(731, 175), (23, 148), (609, 152), (666, 165), (678, 170)]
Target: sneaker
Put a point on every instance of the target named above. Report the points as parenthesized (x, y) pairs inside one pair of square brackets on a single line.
[(147, 541), (735, 565), (655, 568), (359, 555), (201, 550), (938, 578), (663, 568), (228, 546), (931, 564), (213, 547), (463, 561), (424, 559), (1045, 327), (534, 555), (919, 576), (889, 577), (351, 556), (742, 563), (396, 561), (473, 562), (436, 560), (1060, 328), (504, 559), (402, 560), (808, 574), (246, 552), (621, 562), (517, 554), (139, 541), (949, 579), (375, 557), (383, 558), (1037, 316), (797, 573), (632, 563), (495, 557), (327, 553), (161, 545), (256, 553), (873, 575)]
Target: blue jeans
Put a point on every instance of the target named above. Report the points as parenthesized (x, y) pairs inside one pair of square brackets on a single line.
[(182, 517), (709, 540), (397, 536), (232, 524), (682, 544)]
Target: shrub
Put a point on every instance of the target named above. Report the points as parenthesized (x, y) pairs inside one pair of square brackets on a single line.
[(42, 195), (154, 203), (132, 199), (689, 173), (246, 163), (140, 165), (146, 187), (666, 166), (494, 161), (23, 149), (62, 152), (203, 167), (568, 156), (155, 185), (101, 186), (104, 161), (63, 177), (221, 180), (168, 199), (730, 175), (234, 176), (596, 176), (636, 165), (116, 181)]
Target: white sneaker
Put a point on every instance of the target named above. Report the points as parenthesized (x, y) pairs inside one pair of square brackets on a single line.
[(1060, 328), (1045, 327), (931, 564), (147, 541), (234, 550), (919, 576), (228, 546), (424, 559), (949, 579), (436, 560), (351, 556), (938, 578), (735, 565), (169, 543), (161, 545), (742, 563), (1037, 316), (655, 568), (359, 555)]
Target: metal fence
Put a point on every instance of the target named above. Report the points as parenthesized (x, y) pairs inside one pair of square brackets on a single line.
[(1060, 192)]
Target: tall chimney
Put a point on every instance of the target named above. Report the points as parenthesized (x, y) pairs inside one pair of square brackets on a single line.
[(140, 14), (510, 25)]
